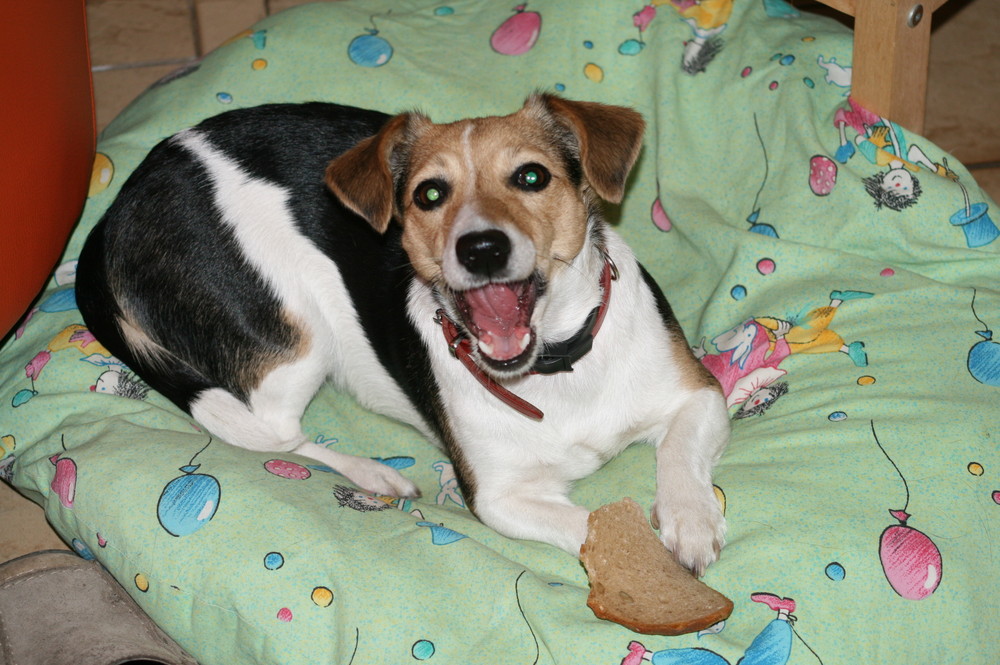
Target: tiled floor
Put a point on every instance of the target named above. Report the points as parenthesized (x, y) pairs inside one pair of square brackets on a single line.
[(136, 42)]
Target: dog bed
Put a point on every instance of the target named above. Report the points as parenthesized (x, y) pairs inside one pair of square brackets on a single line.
[(835, 271)]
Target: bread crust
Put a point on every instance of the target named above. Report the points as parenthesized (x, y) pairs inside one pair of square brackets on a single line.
[(637, 582)]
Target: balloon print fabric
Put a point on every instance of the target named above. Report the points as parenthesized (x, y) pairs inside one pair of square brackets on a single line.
[(835, 271)]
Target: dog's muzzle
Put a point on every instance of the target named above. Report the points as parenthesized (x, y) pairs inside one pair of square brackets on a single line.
[(497, 314)]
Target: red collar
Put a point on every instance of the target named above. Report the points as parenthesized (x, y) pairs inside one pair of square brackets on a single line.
[(554, 358)]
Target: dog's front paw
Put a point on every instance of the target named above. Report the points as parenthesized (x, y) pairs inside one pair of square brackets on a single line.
[(377, 478), (693, 528)]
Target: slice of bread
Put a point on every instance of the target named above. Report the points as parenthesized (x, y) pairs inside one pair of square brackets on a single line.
[(637, 582)]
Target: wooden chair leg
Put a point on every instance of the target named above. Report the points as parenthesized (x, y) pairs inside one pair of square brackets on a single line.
[(891, 50)]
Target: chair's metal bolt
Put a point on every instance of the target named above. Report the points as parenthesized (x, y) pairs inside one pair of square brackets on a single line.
[(916, 15)]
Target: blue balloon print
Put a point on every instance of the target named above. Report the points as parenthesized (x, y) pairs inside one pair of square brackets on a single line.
[(259, 39), (780, 9), (324, 468), (369, 50), (188, 502), (755, 226), (442, 535), (397, 463), (60, 301), (836, 572), (984, 356), (422, 649), (82, 549), (101, 361), (760, 228), (274, 560), (21, 397), (631, 47)]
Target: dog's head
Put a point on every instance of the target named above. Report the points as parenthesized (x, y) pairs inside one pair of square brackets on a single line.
[(491, 208)]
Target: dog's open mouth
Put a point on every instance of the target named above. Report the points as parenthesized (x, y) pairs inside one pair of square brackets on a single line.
[(498, 316)]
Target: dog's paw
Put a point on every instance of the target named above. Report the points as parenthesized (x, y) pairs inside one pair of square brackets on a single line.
[(693, 528), (378, 478)]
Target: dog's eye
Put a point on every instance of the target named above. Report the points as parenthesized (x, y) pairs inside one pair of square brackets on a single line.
[(531, 177), (430, 194)]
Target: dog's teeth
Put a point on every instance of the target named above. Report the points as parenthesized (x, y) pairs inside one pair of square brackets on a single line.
[(485, 348), (524, 341)]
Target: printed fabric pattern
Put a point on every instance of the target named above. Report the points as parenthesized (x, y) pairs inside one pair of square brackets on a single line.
[(834, 270)]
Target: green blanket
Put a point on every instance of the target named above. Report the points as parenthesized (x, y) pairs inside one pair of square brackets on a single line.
[(835, 271)]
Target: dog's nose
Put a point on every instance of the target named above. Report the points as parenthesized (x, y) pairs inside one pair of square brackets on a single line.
[(483, 253)]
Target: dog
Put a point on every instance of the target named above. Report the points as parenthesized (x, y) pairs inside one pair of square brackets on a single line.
[(458, 277)]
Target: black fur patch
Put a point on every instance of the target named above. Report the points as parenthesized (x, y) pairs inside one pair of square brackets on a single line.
[(162, 252)]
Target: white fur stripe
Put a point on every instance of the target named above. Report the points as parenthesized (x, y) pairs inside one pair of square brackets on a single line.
[(307, 284)]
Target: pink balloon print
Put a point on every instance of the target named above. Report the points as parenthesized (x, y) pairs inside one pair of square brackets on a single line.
[(284, 614), (659, 216), (822, 175), (64, 482), (642, 18), (518, 34), (286, 469), (34, 368), (910, 560)]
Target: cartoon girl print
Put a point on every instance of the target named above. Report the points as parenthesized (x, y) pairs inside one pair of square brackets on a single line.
[(450, 491), (7, 459), (884, 144), (78, 337), (772, 646), (121, 382), (363, 502), (836, 74), (747, 360), (749, 355), (813, 333), (707, 20)]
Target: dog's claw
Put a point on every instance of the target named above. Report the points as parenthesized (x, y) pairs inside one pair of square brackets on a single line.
[(377, 478), (694, 531)]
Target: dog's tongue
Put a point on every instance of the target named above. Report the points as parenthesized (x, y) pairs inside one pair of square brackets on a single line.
[(500, 314)]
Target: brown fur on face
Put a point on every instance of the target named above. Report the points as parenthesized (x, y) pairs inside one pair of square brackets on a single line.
[(587, 148)]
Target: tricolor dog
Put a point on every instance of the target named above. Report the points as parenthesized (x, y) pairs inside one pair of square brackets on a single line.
[(458, 277)]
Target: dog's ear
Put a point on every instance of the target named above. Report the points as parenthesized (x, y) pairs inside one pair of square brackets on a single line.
[(364, 178), (609, 140)]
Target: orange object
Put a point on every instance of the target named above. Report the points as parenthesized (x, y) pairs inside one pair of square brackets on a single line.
[(47, 143)]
